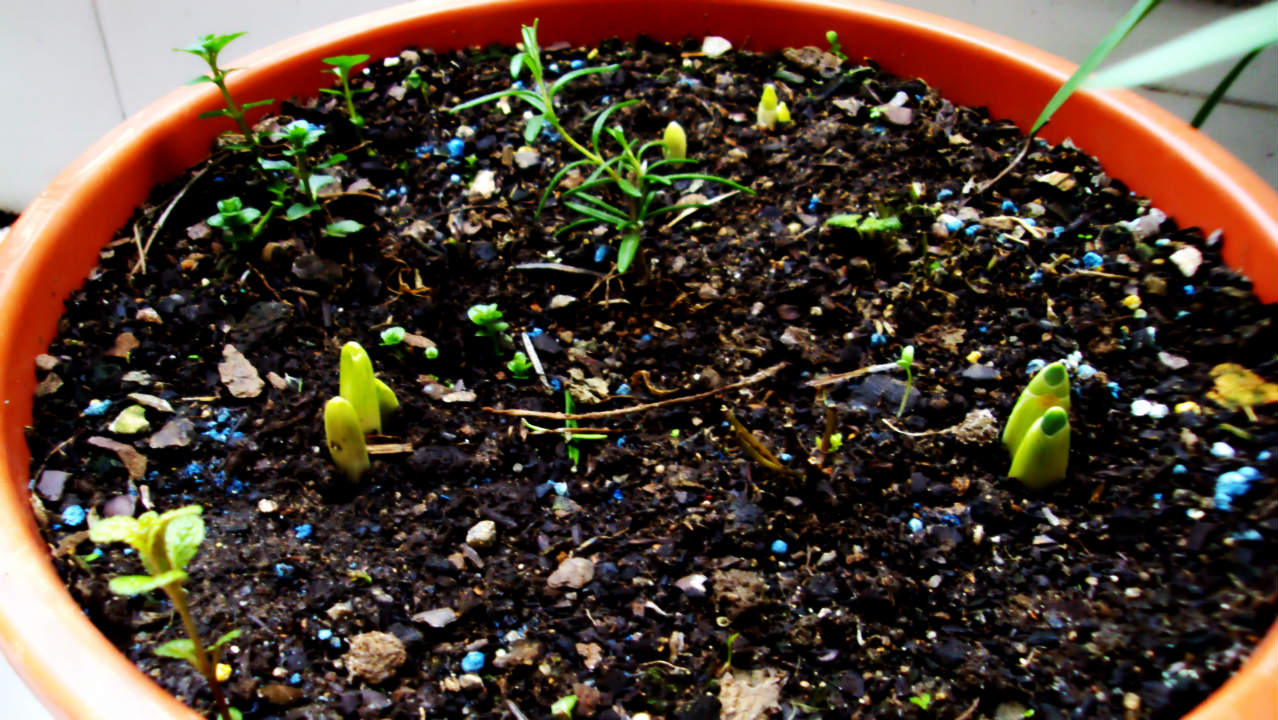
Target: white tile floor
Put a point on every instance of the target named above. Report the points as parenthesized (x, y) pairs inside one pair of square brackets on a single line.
[(16, 702)]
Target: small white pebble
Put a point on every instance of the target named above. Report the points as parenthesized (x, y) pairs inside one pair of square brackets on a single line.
[(1187, 259), (1158, 411), (714, 46), (267, 506), (1132, 592), (1222, 450), (1141, 407)]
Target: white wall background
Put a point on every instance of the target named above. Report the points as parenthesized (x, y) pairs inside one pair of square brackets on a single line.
[(72, 69)]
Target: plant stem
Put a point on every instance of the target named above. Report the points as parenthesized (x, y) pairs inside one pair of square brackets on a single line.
[(177, 594)]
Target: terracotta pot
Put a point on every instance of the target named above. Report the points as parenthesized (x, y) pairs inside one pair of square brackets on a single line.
[(51, 249)]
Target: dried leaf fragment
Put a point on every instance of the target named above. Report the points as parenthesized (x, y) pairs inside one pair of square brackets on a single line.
[(134, 461), (125, 343), (238, 374), (1240, 388), (749, 696)]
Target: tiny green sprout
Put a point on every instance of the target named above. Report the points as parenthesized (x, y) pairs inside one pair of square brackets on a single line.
[(342, 228), (923, 700), (870, 226), (520, 366), (298, 138), (432, 352), (342, 66), (393, 336), (1042, 457), (1048, 388), (166, 543), (415, 81), (906, 363), (562, 708), (207, 48), (834, 443), (676, 142), (770, 112), (491, 326), (238, 224), (836, 49), (345, 438)]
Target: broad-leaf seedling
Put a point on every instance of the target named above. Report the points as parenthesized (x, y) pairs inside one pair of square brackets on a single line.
[(298, 138), (238, 224), (520, 366), (906, 363), (166, 543), (342, 66), (208, 48), (491, 326)]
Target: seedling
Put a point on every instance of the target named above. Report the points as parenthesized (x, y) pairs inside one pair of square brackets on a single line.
[(298, 138), (906, 362), (1037, 431), (208, 48), (370, 397), (166, 543), (869, 226), (345, 438), (491, 326), (770, 112), (836, 49), (520, 366), (415, 81), (562, 708), (568, 431), (342, 228), (631, 179), (676, 142), (393, 336), (1042, 457), (342, 66), (238, 224)]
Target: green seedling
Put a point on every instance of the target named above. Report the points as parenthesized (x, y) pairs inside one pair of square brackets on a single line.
[(342, 228), (676, 142), (166, 543), (562, 708), (345, 438), (906, 363), (491, 326), (633, 184), (393, 336), (770, 112), (299, 137), (923, 700), (342, 66), (568, 431), (836, 49), (1042, 457), (1048, 388), (208, 48), (370, 397), (870, 226), (415, 81), (238, 224), (520, 366)]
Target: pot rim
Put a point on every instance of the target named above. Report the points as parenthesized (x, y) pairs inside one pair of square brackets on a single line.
[(78, 674)]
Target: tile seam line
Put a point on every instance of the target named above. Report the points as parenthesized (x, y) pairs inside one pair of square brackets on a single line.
[(106, 50)]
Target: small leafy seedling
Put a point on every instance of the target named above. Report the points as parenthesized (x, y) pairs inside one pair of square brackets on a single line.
[(491, 326), (520, 366), (342, 228), (208, 48), (238, 224), (298, 138), (906, 363), (1039, 445), (393, 336), (342, 66), (166, 543), (836, 49), (633, 182), (415, 81), (869, 226), (770, 112)]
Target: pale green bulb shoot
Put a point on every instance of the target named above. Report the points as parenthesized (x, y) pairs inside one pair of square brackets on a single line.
[(676, 142), (345, 438), (1041, 459), (358, 386), (1047, 389)]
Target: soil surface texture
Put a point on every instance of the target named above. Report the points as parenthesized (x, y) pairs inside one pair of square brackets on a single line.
[(746, 531)]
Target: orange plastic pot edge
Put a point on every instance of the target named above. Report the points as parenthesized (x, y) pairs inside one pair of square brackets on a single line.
[(49, 251)]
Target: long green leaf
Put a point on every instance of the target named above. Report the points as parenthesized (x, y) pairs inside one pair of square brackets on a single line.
[(597, 214), (1221, 88), (602, 119), (711, 178), (1094, 59), (1235, 35), (554, 182), (570, 76)]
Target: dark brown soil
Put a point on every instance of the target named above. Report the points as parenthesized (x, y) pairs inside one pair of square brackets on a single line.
[(902, 570)]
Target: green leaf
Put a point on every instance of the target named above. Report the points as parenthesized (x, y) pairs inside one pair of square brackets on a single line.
[(335, 159), (628, 187), (256, 103), (228, 637), (342, 228), (710, 178), (844, 221), (1235, 35), (119, 528), (214, 113), (516, 65), (235, 713), (200, 79), (268, 164), (573, 75), (597, 214), (345, 62), (315, 182), (130, 585), (626, 251), (554, 182), (182, 538), (1094, 59), (533, 127), (393, 335), (180, 649), (298, 210), (602, 120)]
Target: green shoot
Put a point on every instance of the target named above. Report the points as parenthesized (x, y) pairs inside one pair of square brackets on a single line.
[(491, 326), (770, 112), (634, 183), (570, 437), (906, 363), (371, 398), (676, 142), (727, 662), (520, 366), (342, 66), (870, 226), (166, 544), (836, 49), (238, 224), (345, 438), (298, 137), (415, 81), (562, 708), (1042, 457), (923, 700), (1048, 388), (393, 336), (342, 228), (208, 48)]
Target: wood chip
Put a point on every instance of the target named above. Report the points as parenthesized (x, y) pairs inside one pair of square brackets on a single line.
[(134, 461), (238, 374), (125, 343)]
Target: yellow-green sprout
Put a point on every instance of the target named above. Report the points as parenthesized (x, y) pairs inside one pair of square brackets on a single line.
[(676, 142), (770, 112), (371, 398), (1042, 457), (345, 438), (1047, 389)]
